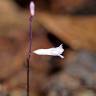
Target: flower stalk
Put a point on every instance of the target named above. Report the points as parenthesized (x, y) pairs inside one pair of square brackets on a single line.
[(32, 12)]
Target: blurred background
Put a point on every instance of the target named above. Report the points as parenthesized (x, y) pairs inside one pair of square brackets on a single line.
[(70, 22)]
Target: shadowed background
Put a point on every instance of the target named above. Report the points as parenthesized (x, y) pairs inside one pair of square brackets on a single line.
[(71, 22)]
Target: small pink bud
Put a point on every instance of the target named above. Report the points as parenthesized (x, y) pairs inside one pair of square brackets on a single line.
[(32, 8)]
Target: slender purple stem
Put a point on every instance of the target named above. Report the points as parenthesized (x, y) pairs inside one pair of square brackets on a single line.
[(29, 54), (30, 36)]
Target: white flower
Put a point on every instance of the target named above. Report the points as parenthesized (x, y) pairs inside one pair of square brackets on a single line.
[(32, 8), (51, 51)]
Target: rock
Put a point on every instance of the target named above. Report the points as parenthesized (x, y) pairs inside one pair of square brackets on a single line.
[(85, 93)]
